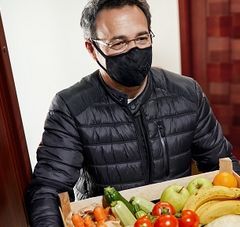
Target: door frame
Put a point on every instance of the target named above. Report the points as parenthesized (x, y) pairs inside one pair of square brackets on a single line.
[(13, 144)]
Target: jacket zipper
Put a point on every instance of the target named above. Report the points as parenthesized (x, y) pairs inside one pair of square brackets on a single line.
[(143, 145), (165, 155), (147, 150)]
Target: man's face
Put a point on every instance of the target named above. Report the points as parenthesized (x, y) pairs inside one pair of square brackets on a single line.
[(125, 23)]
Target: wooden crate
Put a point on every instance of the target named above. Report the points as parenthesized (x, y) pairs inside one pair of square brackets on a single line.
[(151, 192)]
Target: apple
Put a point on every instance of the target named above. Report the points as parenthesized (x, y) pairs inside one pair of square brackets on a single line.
[(197, 183), (176, 195)]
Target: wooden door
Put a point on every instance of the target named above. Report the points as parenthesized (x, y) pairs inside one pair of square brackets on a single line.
[(15, 169), (210, 47)]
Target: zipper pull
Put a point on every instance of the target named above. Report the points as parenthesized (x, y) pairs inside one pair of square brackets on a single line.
[(161, 128), (165, 155)]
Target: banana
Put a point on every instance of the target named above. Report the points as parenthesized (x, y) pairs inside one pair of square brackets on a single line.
[(206, 194), (200, 210), (237, 191), (218, 209)]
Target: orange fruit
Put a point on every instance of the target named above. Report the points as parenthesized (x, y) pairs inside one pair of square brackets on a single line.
[(225, 179)]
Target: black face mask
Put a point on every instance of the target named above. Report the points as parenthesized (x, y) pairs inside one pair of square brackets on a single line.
[(130, 68)]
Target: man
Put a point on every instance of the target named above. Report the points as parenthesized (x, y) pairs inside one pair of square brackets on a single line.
[(125, 125)]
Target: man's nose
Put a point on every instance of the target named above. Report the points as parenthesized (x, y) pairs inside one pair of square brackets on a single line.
[(131, 44)]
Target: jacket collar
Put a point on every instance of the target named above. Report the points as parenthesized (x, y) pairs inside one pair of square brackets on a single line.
[(122, 98), (135, 105), (115, 94)]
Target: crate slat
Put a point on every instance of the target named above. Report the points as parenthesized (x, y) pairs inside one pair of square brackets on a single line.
[(150, 192)]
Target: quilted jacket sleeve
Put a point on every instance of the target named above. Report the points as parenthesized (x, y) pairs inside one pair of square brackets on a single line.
[(59, 160), (209, 142)]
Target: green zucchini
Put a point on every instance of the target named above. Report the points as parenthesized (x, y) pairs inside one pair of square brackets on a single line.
[(121, 211), (144, 204), (111, 195), (138, 212)]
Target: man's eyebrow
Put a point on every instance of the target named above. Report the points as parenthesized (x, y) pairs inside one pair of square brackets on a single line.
[(125, 37)]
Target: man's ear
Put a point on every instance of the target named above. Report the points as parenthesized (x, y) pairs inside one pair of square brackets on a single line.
[(90, 49)]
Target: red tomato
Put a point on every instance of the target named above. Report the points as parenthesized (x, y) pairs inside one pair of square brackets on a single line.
[(143, 222), (166, 221), (188, 219), (161, 208)]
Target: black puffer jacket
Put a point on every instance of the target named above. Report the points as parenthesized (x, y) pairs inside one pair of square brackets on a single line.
[(154, 138)]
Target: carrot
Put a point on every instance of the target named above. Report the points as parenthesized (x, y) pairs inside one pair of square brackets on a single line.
[(88, 222), (77, 220), (101, 224), (99, 214), (107, 211)]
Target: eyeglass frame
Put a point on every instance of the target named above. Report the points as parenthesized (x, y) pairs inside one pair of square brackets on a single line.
[(126, 42)]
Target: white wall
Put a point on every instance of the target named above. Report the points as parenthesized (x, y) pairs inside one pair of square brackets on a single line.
[(47, 52)]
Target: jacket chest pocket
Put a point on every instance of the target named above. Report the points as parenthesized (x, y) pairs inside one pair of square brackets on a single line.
[(163, 147)]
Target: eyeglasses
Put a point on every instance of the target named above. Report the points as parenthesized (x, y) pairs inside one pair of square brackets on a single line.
[(119, 45)]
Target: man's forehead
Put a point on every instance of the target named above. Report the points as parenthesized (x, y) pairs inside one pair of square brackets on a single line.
[(124, 22)]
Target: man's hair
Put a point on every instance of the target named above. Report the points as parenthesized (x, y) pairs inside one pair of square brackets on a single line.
[(91, 10)]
